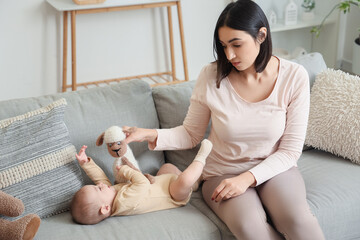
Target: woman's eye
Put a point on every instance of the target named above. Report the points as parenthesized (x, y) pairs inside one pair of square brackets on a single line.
[(237, 46)]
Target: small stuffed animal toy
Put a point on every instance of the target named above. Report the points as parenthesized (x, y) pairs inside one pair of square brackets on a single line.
[(23, 228), (114, 139)]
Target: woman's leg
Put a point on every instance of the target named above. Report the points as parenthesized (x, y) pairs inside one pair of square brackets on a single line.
[(244, 214), (284, 198)]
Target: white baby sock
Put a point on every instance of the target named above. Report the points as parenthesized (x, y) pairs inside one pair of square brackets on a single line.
[(204, 151)]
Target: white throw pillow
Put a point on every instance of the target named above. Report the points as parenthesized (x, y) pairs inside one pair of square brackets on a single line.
[(334, 120)]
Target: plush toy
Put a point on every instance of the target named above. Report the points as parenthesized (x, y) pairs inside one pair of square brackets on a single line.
[(114, 139), (23, 228)]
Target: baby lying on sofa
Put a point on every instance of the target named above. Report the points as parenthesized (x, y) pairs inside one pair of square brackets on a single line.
[(172, 188)]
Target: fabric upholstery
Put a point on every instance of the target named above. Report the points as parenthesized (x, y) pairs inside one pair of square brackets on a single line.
[(313, 63), (179, 223), (94, 110), (37, 160), (172, 103), (334, 120), (333, 193)]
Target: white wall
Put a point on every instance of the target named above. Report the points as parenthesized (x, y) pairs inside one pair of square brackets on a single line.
[(350, 32), (109, 45)]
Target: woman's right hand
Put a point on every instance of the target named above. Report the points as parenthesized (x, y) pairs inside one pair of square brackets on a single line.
[(135, 134)]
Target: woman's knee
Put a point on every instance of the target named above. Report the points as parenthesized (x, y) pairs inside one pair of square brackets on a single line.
[(300, 224)]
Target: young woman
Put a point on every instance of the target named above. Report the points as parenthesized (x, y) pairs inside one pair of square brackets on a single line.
[(258, 105)]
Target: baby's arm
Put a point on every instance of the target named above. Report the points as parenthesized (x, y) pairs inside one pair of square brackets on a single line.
[(138, 182), (95, 173), (148, 176)]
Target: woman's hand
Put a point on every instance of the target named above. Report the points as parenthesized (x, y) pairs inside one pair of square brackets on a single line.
[(135, 134), (232, 187)]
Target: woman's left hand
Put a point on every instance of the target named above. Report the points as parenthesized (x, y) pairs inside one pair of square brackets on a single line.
[(232, 187)]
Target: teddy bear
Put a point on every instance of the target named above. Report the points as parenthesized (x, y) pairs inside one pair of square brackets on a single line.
[(23, 228), (114, 139)]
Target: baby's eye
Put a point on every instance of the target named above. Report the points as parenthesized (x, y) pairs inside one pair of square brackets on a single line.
[(118, 143), (110, 144)]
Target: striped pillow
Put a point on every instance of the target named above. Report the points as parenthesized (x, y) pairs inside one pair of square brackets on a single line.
[(37, 160)]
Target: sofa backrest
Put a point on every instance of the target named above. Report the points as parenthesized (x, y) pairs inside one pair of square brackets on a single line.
[(89, 112)]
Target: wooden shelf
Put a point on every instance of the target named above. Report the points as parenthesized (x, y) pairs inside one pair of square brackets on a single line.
[(153, 79)]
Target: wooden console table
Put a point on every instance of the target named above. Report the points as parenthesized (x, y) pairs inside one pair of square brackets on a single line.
[(68, 6)]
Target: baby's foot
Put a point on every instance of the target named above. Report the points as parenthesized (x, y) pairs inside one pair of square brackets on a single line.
[(204, 151)]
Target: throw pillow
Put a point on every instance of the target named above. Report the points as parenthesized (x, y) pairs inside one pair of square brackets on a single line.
[(314, 63), (334, 120), (37, 160)]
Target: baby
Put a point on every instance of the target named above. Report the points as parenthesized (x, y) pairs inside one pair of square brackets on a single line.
[(172, 188)]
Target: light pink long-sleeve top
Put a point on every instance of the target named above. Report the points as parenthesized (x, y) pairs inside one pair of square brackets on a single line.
[(265, 138)]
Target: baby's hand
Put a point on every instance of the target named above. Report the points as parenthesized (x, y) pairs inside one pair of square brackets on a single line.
[(118, 167), (81, 157)]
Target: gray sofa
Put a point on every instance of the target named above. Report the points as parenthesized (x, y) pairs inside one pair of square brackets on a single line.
[(332, 182)]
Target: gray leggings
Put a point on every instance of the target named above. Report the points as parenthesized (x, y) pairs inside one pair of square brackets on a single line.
[(283, 198)]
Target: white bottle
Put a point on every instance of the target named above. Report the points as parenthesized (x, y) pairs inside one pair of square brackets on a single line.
[(291, 13)]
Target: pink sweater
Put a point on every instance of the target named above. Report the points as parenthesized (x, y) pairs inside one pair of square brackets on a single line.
[(265, 138)]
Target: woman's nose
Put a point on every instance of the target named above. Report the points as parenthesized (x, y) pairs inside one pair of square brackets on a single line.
[(230, 54)]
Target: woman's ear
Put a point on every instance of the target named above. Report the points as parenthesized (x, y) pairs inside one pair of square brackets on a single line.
[(100, 139), (105, 209), (262, 33)]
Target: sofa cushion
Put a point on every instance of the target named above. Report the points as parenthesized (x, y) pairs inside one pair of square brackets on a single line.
[(37, 160), (334, 119), (332, 192), (172, 103), (178, 223), (92, 111)]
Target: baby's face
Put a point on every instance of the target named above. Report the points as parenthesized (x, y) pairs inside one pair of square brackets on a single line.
[(103, 193)]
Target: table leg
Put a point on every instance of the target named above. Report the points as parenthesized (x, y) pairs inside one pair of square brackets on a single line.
[(182, 41), (65, 36), (171, 38), (73, 49)]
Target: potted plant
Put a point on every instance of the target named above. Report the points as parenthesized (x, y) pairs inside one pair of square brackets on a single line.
[(344, 7), (308, 7)]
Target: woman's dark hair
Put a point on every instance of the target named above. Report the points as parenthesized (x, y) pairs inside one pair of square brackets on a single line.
[(244, 15)]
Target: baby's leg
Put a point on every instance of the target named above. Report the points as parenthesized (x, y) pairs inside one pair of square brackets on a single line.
[(182, 186), (168, 168)]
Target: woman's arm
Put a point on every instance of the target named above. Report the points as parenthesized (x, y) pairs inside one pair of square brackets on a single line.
[(185, 136), (292, 140)]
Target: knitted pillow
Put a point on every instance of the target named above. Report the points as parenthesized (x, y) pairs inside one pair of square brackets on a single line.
[(37, 160), (334, 120)]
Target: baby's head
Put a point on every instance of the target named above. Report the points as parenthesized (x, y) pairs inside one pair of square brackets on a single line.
[(92, 203)]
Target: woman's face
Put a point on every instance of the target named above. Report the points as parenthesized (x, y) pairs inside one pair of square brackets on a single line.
[(240, 47)]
